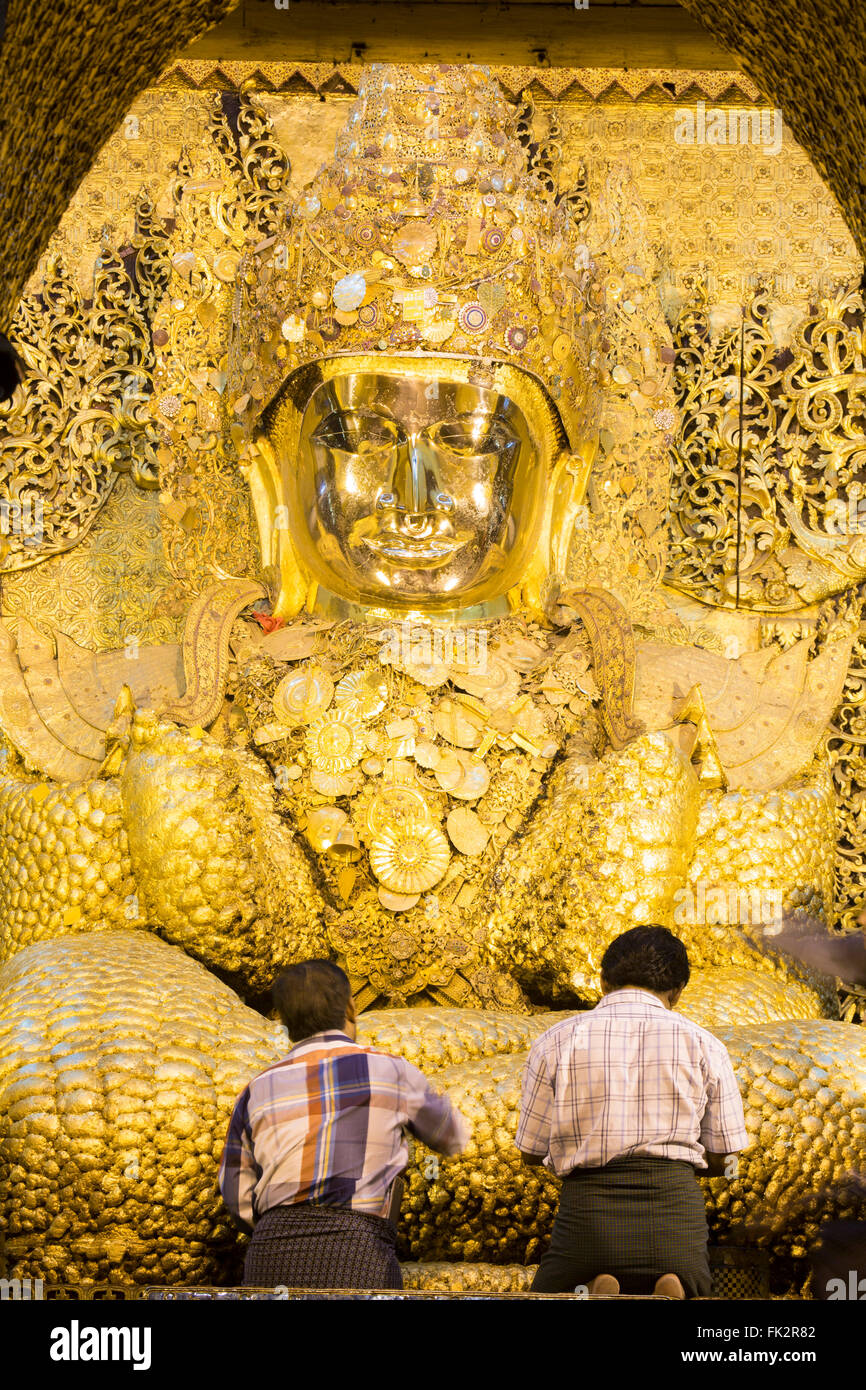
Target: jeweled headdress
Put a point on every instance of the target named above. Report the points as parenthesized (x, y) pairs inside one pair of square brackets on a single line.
[(428, 235)]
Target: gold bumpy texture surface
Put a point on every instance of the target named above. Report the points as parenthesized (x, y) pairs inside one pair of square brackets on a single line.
[(122, 1058), (219, 872), (632, 816), (64, 861)]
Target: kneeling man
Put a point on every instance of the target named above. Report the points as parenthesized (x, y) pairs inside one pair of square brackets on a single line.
[(626, 1102), (317, 1141)]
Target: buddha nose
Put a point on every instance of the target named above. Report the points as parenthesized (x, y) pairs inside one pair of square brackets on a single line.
[(416, 493)]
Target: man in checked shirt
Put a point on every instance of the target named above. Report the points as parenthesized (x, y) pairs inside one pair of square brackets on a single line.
[(316, 1143), (626, 1102)]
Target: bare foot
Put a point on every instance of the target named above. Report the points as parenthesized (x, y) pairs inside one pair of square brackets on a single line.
[(604, 1286), (669, 1286)]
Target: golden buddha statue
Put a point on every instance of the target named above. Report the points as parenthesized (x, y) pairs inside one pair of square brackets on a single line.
[(451, 731)]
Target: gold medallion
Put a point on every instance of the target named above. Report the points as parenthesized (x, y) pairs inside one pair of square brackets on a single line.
[(335, 742), (394, 805), (458, 725), (397, 902), (431, 674), (466, 832), (427, 754), (336, 784), (303, 695), (364, 691), (411, 858), (448, 771), (414, 243), (474, 780)]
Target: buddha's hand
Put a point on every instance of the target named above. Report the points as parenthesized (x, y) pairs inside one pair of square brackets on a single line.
[(219, 872), (607, 848)]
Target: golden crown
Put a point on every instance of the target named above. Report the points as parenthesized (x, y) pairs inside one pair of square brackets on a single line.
[(429, 235)]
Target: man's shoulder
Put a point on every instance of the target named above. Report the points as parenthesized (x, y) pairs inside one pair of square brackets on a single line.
[(713, 1046), (558, 1033)]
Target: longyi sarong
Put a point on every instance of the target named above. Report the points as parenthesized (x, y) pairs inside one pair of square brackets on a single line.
[(636, 1218), (311, 1247)]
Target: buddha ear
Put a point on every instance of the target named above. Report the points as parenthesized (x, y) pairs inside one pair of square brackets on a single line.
[(565, 511), (270, 503)]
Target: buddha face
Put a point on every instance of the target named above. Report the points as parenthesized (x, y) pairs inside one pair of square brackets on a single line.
[(409, 492)]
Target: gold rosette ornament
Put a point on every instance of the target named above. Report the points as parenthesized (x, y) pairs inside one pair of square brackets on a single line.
[(335, 742), (303, 695), (409, 858), (364, 692)]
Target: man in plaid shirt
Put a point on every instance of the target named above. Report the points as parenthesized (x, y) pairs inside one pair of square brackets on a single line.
[(317, 1141), (625, 1102)]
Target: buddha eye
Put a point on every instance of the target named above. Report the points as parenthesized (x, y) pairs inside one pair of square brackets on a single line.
[(356, 432), (473, 435)]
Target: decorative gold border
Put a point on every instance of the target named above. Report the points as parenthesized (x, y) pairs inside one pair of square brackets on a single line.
[(557, 84)]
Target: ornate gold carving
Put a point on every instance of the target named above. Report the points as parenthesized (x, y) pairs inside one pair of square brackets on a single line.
[(766, 712), (613, 651), (82, 414), (114, 584), (206, 650), (557, 83), (201, 487), (802, 523), (847, 748), (56, 710)]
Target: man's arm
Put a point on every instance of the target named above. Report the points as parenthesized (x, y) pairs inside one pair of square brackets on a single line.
[(536, 1110), (239, 1172), (723, 1126), (432, 1117)]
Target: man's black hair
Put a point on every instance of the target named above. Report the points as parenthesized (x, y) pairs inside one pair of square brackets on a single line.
[(646, 958), (312, 997)]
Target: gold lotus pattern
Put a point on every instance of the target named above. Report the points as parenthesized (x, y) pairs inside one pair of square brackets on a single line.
[(409, 859), (335, 742)]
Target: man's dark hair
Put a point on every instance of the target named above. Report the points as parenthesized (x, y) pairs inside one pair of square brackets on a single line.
[(312, 997), (646, 958)]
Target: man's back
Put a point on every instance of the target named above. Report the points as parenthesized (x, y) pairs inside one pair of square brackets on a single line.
[(629, 1077), (325, 1126)]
